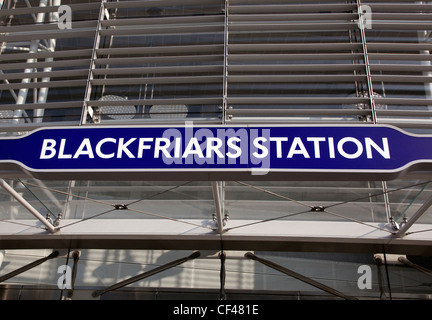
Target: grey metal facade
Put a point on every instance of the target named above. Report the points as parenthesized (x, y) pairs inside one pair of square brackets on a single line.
[(210, 62)]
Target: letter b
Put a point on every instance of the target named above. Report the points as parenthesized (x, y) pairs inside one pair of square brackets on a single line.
[(48, 147)]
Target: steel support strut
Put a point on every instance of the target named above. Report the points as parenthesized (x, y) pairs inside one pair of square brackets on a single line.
[(27, 205), (141, 276), (403, 230), (29, 266), (298, 276)]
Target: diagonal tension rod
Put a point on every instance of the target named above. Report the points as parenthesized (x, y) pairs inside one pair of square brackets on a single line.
[(298, 276), (164, 267), (29, 266)]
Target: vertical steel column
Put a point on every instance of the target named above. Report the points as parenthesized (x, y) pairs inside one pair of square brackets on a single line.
[(218, 207), (371, 94), (225, 67), (23, 92)]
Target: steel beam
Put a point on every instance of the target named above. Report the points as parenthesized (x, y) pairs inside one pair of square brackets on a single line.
[(163, 234)]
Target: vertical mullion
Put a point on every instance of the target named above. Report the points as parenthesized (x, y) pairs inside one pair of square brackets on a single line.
[(366, 61), (225, 67), (86, 108)]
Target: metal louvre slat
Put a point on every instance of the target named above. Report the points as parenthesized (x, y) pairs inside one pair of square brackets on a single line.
[(290, 8), (179, 20), (402, 16), (34, 125), (58, 34), (132, 102), (292, 17), (156, 3), (297, 100), (402, 78), (399, 46), (401, 56), (162, 30), (158, 59), (402, 25), (159, 70), (289, 27), (50, 74), (17, 30), (405, 113), (399, 7), (295, 78), (158, 80), (293, 56), (49, 84), (211, 48), (296, 112), (286, 47), (47, 54), (48, 9), (295, 67), (46, 64), (46, 105), (404, 101)]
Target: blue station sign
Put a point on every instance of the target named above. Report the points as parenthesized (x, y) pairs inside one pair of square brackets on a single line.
[(217, 152)]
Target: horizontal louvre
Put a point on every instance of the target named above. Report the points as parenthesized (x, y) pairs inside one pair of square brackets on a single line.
[(399, 47), (293, 62), (166, 60), (44, 69), (48, 9), (156, 67)]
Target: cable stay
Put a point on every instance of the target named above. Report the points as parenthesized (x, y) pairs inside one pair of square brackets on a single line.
[(298, 276)]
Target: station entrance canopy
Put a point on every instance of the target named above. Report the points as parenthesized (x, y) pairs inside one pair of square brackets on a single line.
[(214, 153)]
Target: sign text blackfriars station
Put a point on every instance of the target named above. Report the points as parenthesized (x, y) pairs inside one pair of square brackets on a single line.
[(101, 152), (210, 149)]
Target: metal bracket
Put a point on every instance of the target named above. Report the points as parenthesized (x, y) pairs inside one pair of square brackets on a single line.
[(318, 209), (395, 225)]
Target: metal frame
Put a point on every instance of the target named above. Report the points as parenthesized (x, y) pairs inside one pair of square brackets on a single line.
[(306, 236)]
